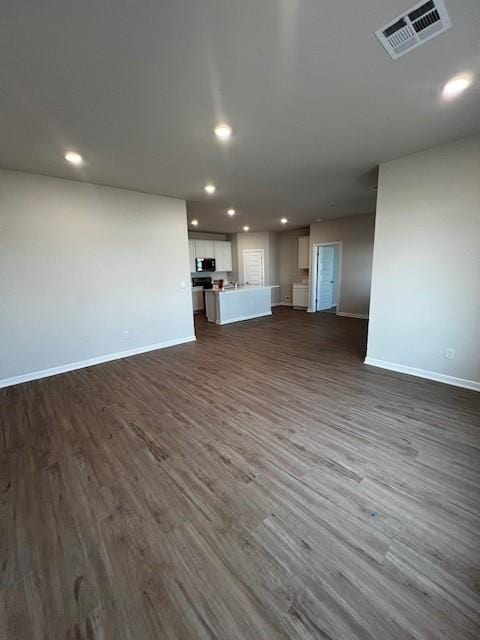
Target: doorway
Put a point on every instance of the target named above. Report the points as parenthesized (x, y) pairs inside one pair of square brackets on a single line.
[(253, 267), (327, 262)]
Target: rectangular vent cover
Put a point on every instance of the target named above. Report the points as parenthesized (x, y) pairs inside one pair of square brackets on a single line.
[(420, 23)]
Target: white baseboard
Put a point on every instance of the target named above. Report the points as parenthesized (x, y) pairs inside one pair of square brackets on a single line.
[(344, 314), (241, 318), (363, 316), (423, 373), (281, 304), (82, 364)]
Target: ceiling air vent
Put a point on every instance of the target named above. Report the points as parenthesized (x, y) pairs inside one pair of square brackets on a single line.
[(420, 23)]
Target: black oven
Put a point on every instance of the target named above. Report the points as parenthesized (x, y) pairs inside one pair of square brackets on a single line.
[(204, 264)]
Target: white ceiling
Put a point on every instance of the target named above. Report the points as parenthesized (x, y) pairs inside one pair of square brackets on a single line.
[(136, 87)]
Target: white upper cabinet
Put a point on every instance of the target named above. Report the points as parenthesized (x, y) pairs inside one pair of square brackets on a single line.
[(227, 255), (304, 252), (218, 249), (205, 248), (193, 255), (223, 255)]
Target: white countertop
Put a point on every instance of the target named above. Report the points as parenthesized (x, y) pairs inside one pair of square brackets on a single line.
[(242, 289)]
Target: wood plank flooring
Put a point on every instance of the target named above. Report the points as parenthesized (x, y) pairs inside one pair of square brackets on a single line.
[(261, 483)]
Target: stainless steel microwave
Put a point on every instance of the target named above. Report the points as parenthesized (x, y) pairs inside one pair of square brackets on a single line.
[(204, 264)]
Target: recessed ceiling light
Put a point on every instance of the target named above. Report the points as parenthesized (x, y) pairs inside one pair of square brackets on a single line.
[(231, 212), (246, 228), (223, 132), (318, 219), (283, 220), (74, 158), (210, 188), (332, 204), (456, 85), (194, 223)]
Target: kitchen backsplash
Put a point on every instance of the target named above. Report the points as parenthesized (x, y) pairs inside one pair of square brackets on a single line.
[(217, 275)]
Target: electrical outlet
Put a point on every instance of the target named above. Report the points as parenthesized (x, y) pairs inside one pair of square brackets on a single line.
[(450, 353), (287, 297), (126, 334)]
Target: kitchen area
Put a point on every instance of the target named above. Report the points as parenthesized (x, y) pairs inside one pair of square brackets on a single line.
[(216, 290), (211, 264), (241, 276)]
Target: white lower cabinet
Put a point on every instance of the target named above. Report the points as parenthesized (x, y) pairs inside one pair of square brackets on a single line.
[(300, 296), (198, 299)]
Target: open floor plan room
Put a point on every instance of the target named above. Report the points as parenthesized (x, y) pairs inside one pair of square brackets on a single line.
[(258, 483), (240, 320)]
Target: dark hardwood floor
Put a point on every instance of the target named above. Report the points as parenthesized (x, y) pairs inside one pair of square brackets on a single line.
[(261, 483)]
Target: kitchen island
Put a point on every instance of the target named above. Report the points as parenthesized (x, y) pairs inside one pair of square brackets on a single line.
[(243, 303)]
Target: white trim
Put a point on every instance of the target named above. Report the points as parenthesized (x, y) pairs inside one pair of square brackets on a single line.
[(364, 316), (261, 251), (313, 273), (423, 373), (281, 304), (82, 364), (240, 318)]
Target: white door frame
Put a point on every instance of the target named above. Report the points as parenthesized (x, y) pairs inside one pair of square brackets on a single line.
[(245, 251), (312, 307)]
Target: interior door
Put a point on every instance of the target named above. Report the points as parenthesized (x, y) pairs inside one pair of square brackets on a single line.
[(325, 278), (253, 266)]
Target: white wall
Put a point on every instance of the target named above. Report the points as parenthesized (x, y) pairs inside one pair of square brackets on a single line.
[(426, 268), (270, 243), (356, 234), (289, 271), (79, 265), (249, 241), (206, 235), (274, 251), (235, 272), (336, 271)]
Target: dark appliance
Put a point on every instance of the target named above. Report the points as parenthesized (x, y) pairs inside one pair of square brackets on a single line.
[(206, 283), (204, 264)]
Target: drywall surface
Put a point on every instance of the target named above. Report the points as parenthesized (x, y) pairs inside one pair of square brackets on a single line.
[(274, 251), (290, 274), (426, 267), (356, 234), (270, 243), (87, 272)]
